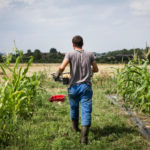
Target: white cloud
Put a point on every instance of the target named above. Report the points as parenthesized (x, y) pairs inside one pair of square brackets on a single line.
[(4, 3), (118, 22), (26, 1), (140, 7)]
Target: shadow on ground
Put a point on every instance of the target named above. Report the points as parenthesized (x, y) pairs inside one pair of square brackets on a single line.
[(114, 130)]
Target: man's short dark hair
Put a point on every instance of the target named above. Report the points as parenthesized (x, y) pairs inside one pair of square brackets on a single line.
[(77, 41)]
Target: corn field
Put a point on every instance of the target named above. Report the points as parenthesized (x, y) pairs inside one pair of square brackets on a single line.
[(17, 92), (133, 82)]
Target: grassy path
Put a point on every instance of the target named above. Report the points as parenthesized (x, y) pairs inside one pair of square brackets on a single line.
[(49, 127)]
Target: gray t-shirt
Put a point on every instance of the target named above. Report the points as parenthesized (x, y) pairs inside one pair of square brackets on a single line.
[(80, 66)]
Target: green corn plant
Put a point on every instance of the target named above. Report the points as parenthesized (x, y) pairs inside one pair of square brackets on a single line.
[(17, 93), (133, 82)]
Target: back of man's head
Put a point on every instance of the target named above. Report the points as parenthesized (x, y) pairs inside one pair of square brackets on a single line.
[(77, 41)]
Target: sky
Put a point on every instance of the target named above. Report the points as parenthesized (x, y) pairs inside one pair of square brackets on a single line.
[(105, 25)]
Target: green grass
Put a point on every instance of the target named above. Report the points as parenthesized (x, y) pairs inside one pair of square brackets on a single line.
[(49, 127)]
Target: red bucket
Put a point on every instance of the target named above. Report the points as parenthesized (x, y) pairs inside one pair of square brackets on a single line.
[(57, 98)]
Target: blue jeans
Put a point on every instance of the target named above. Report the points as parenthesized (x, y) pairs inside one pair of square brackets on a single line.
[(81, 93)]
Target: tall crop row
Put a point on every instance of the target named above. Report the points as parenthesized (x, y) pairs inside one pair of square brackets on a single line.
[(134, 84), (17, 91)]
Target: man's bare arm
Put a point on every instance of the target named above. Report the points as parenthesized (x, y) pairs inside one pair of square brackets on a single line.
[(94, 67), (62, 67)]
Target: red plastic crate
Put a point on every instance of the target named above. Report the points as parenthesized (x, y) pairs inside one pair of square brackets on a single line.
[(57, 98)]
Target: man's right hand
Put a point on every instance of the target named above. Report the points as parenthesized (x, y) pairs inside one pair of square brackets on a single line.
[(56, 76)]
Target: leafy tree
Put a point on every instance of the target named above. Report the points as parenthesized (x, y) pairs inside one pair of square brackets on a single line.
[(1, 59), (37, 55), (29, 52), (53, 51)]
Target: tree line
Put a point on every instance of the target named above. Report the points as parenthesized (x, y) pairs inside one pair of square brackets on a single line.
[(54, 56), (121, 56)]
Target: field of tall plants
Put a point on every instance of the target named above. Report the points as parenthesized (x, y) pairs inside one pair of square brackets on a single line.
[(133, 83), (17, 92)]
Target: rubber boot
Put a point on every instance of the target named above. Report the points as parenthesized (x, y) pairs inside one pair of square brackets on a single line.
[(84, 134), (75, 127)]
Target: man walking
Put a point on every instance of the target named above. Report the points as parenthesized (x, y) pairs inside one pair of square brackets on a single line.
[(82, 65)]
